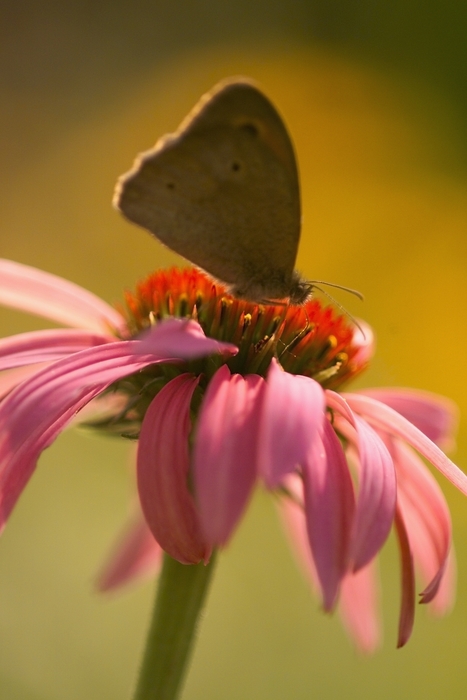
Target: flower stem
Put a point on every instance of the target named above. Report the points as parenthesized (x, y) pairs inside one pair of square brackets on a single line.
[(180, 596)]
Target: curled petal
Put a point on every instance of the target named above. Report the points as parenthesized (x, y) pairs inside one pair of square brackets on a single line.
[(337, 403), (329, 510), (293, 414), (46, 346), (376, 501), (426, 516), (434, 415), (225, 451), (162, 469), (407, 613), (135, 554), (384, 418), (37, 292), (444, 599)]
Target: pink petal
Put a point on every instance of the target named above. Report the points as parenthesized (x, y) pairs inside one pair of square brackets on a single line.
[(444, 599), (359, 592), (9, 379), (365, 340), (434, 415), (292, 514), (136, 554), (359, 608), (386, 419), (336, 402), (41, 293), (182, 339), (407, 613), (293, 415), (225, 451), (329, 510), (376, 499), (45, 346), (34, 413), (162, 468), (426, 516)]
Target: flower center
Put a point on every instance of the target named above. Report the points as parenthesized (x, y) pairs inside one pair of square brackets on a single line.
[(312, 339)]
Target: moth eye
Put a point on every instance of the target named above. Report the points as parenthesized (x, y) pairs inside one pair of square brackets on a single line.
[(250, 128)]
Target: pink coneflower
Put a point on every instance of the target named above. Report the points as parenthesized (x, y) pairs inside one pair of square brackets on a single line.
[(222, 393)]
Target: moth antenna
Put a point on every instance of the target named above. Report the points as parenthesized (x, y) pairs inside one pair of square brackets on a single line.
[(339, 306), (355, 292)]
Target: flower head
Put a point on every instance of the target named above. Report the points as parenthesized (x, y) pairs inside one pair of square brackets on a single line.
[(222, 394)]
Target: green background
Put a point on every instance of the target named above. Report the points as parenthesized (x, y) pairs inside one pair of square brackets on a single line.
[(374, 96)]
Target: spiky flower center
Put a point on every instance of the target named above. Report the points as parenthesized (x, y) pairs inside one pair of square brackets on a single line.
[(312, 340)]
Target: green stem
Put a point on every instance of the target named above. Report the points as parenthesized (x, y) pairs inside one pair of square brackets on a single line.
[(180, 595)]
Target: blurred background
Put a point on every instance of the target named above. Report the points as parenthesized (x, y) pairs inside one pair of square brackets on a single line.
[(374, 96)]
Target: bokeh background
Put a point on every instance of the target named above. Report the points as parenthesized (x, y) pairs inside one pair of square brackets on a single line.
[(374, 95)]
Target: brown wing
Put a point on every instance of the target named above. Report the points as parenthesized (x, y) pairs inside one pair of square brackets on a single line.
[(223, 190)]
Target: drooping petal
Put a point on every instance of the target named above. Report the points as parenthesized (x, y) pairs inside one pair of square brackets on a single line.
[(292, 513), (41, 293), (162, 468), (135, 554), (444, 599), (376, 501), (384, 418), (329, 510), (426, 515), (36, 411), (407, 612), (293, 414), (225, 451), (358, 603), (434, 415), (376, 496), (45, 346), (359, 608)]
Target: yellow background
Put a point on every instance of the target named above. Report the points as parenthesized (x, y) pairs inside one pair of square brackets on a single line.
[(378, 126)]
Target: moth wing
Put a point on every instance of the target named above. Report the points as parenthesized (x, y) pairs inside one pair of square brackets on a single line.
[(223, 191)]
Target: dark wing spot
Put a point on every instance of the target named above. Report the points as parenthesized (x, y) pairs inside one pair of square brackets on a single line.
[(170, 185), (236, 166), (250, 128)]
